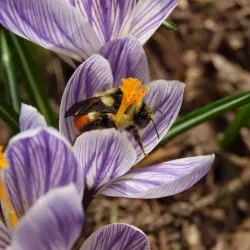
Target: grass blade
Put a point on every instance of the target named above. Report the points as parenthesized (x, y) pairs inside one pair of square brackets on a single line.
[(33, 84), (9, 116), (206, 113), (11, 85), (229, 135), (170, 25)]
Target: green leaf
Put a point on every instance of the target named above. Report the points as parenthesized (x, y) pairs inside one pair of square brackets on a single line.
[(9, 116), (170, 25), (229, 135), (11, 85), (34, 86), (206, 113)]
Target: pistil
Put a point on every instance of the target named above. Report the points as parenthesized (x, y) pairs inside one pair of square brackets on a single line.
[(133, 91)]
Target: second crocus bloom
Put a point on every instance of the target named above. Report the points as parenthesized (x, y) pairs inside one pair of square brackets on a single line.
[(42, 210), (77, 29)]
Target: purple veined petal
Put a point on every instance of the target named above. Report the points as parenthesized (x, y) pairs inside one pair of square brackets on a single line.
[(161, 180), (165, 99), (53, 223), (127, 59), (5, 236), (117, 236), (103, 155), (93, 76), (111, 19), (55, 25), (72, 2), (39, 160), (30, 118), (149, 15)]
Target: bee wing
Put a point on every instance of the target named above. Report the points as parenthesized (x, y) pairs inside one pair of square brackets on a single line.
[(93, 104)]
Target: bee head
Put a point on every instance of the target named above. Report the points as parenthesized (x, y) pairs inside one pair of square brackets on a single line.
[(143, 116)]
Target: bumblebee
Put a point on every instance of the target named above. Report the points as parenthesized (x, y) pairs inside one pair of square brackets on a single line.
[(120, 108)]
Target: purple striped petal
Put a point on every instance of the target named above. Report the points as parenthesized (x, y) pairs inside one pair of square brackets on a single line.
[(53, 223), (127, 59), (103, 156), (30, 118), (94, 75), (117, 236), (39, 160), (55, 25), (72, 2), (161, 180), (165, 99), (149, 15), (111, 19), (5, 236)]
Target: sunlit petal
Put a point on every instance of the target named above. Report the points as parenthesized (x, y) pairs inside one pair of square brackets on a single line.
[(103, 156), (111, 19), (55, 25), (149, 15), (127, 59), (161, 180)]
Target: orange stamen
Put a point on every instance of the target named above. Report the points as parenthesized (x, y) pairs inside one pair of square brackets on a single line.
[(3, 194), (3, 160), (133, 91)]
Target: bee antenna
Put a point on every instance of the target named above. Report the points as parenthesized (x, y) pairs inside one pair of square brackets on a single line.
[(158, 110), (155, 128)]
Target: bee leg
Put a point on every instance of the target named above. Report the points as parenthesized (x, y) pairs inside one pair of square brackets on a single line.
[(133, 130)]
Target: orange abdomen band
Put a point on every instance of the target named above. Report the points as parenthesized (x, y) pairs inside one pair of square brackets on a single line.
[(80, 122)]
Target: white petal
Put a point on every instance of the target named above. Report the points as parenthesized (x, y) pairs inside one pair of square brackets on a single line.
[(161, 180), (117, 236), (149, 15), (30, 118), (55, 25)]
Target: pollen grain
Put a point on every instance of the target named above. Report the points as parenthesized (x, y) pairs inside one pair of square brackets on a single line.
[(133, 91)]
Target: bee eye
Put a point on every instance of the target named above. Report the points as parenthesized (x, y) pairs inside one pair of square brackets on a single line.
[(141, 119)]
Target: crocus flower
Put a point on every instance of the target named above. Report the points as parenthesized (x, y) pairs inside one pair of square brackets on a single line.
[(38, 160), (123, 59), (35, 162), (55, 222), (106, 159), (41, 208), (79, 28)]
